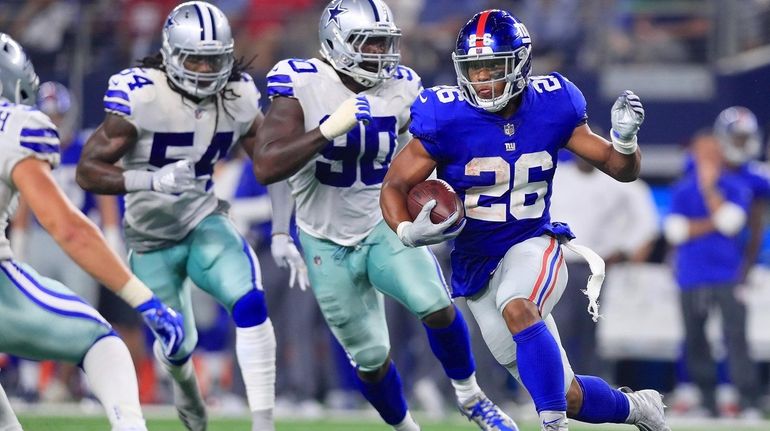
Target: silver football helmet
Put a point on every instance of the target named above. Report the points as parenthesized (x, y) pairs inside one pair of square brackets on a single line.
[(737, 131), (18, 80), (360, 39), (197, 48)]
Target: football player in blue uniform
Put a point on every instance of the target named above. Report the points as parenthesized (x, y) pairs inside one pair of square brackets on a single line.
[(494, 138), (332, 128)]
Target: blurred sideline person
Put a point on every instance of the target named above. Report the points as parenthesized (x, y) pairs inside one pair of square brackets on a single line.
[(332, 129), (619, 222), (707, 227), (31, 242), (169, 121), (41, 318), (494, 138)]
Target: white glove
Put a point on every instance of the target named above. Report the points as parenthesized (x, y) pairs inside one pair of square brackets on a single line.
[(174, 178), (627, 116), (285, 254), (422, 231), (346, 116)]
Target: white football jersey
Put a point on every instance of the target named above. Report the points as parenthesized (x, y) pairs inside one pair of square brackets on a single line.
[(338, 192), (171, 128), (24, 132)]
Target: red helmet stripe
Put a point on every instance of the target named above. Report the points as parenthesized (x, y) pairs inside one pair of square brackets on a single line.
[(480, 28)]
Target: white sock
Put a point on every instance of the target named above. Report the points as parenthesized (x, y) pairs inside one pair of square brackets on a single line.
[(408, 424), (550, 417), (112, 378), (255, 349), (29, 375), (466, 389), (185, 382), (8, 421)]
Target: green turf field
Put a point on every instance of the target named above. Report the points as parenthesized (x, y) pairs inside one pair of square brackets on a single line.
[(97, 424)]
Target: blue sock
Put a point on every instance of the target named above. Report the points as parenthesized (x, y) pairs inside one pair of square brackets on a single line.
[(601, 403), (452, 347), (386, 396), (540, 367)]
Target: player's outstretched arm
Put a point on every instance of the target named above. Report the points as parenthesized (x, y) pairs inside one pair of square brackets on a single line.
[(84, 243), (619, 158), (283, 146), (410, 167), (96, 170)]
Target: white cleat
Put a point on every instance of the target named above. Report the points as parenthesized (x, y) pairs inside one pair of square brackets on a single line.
[(487, 415), (553, 421), (646, 410), (191, 410)]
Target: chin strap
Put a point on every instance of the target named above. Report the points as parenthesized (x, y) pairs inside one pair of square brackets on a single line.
[(595, 280)]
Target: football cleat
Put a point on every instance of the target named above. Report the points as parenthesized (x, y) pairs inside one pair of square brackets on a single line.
[(647, 410), (486, 414)]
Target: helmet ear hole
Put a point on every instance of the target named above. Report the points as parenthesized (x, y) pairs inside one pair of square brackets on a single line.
[(330, 44)]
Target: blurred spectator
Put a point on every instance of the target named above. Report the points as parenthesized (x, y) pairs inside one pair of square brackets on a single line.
[(658, 31), (44, 28), (556, 27), (708, 212), (619, 222)]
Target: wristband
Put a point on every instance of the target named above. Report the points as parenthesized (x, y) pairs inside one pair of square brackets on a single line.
[(622, 147), (134, 292), (135, 180)]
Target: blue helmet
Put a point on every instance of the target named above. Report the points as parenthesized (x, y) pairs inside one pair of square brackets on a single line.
[(737, 131), (495, 41)]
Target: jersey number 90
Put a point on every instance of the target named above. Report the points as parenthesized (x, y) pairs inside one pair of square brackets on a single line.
[(346, 155)]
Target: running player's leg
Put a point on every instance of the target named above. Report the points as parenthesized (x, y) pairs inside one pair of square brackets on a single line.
[(223, 264), (46, 320), (163, 271), (355, 314), (529, 354), (412, 276)]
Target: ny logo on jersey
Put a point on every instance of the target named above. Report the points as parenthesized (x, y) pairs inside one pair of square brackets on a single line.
[(510, 146)]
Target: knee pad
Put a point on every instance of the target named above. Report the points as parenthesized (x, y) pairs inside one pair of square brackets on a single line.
[(371, 358), (250, 310)]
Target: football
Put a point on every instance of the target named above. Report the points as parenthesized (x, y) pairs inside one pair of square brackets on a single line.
[(447, 201)]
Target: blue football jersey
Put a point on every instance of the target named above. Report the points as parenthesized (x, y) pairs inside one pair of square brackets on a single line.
[(502, 169)]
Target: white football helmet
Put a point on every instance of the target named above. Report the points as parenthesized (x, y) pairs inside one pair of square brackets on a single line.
[(198, 48), (737, 131), (348, 25), (18, 80)]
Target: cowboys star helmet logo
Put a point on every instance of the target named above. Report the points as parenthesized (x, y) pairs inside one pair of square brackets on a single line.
[(508, 129), (334, 13)]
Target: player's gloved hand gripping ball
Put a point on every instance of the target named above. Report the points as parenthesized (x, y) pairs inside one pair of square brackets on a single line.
[(438, 214)]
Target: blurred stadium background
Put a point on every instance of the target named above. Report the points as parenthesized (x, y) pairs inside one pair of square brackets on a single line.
[(687, 59)]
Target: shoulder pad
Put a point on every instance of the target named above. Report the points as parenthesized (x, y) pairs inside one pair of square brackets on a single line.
[(127, 88), (242, 98), (286, 74)]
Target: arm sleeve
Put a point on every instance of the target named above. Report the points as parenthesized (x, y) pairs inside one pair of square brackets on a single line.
[(576, 98), (281, 80), (282, 203), (117, 99), (37, 138), (424, 125)]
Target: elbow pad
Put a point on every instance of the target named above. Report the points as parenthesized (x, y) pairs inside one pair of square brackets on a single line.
[(676, 229), (729, 219)]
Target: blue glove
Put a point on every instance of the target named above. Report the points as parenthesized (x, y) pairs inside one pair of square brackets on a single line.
[(363, 110), (165, 324)]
